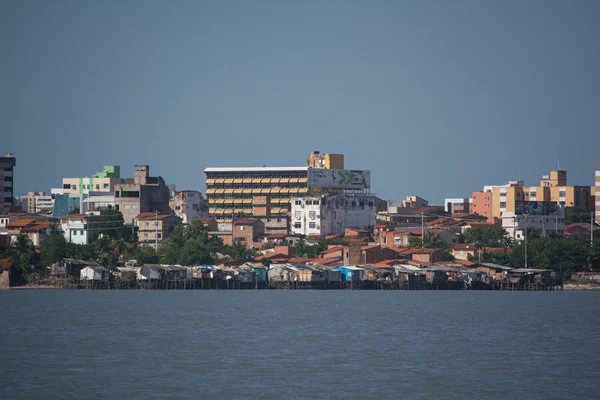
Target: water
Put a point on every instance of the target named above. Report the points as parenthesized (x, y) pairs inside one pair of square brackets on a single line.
[(303, 344)]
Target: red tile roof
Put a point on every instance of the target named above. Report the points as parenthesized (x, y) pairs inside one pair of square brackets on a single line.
[(272, 256), (332, 250), (357, 230), (37, 227), (465, 246), (20, 223), (5, 263), (423, 251), (325, 261), (207, 219), (245, 221), (371, 247), (149, 216), (299, 260)]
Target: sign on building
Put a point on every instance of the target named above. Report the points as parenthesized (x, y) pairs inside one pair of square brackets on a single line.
[(339, 178)]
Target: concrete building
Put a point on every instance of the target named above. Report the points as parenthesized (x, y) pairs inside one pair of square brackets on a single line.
[(103, 181), (482, 204), (188, 205), (36, 202), (316, 159), (332, 214), (142, 195), (231, 191), (80, 228), (7, 165), (153, 227), (458, 205), (552, 188), (515, 225), (98, 201)]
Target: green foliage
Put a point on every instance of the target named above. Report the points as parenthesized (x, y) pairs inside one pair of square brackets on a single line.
[(564, 254), (266, 262), (191, 246), (489, 236), (430, 240), (574, 214), (53, 248), (144, 255), (110, 223)]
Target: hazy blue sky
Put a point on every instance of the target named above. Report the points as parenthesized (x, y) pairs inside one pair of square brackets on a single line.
[(436, 98)]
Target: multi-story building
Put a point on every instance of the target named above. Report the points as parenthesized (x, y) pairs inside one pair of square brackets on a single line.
[(482, 204), (231, 191), (7, 165), (517, 224), (142, 194), (154, 227), (80, 228), (552, 188), (188, 205), (104, 181), (458, 205), (36, 202), (332, 214)]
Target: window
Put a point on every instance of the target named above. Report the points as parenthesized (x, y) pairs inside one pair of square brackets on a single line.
[(105, 186), (312, 225), (370, 204), (502, 194), (242, 228), (74, 187), (384, 240), (316, 202), (298, 202), (297, 225), (562, 193), (278, 219), (502, 204), (353, 203), (159, 235), (147, 223), (398, 240), (309, 202), (97, 187), (177, 208), (312, 214), (298, 215)]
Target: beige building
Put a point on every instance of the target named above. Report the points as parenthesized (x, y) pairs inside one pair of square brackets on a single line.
[(142, 194), (231, 191), (552, 187), (154, 228), (37, 202), (104, 181)]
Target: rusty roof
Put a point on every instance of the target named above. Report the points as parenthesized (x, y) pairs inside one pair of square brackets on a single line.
[(20, 223), (245, 221), (5, 263)]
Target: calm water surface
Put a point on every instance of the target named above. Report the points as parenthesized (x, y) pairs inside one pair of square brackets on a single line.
[(304, 344)]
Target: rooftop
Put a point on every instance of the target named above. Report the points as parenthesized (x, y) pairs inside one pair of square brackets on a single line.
[(255, 169)]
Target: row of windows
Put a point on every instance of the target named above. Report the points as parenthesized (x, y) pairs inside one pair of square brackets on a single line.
[(311, 225), (266, 175), (84, 186)]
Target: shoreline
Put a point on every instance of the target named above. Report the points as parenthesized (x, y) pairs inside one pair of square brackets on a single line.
[(570, 287)]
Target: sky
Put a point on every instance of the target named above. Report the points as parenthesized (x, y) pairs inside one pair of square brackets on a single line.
[(436, 98)]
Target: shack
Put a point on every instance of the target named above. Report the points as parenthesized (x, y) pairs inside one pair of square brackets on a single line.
[(351, 273), (94, 273), (126, 274)]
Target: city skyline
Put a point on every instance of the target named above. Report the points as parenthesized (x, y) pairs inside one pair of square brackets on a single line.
[(435, 101)]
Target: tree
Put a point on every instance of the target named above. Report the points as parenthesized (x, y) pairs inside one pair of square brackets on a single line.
[(53, 249), (190, 245), (312, 251), (575, 214), (110, 223), (489, 236)]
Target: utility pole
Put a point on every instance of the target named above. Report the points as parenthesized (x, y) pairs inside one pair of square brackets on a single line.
[(156, 232), (592, 230), (525, 226), (422, 229)]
